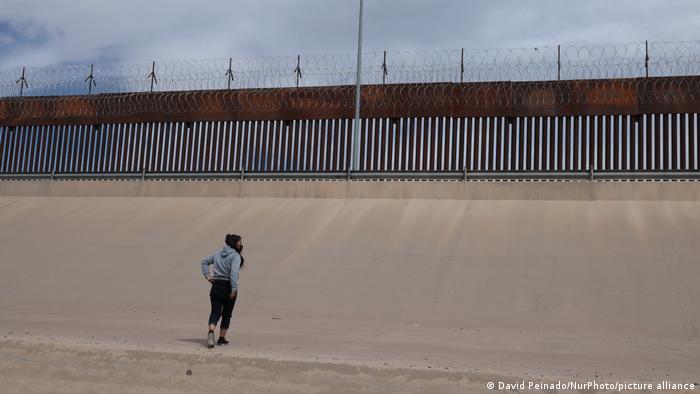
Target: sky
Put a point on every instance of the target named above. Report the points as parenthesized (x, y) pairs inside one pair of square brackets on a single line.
[(59, 32)]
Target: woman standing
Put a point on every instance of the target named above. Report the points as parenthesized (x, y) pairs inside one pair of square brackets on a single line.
[(227, 263)]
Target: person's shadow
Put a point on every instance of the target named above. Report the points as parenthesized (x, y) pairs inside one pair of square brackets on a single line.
[(199, 341)]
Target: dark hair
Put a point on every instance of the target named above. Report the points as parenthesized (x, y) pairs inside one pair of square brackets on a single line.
[(232, 240)]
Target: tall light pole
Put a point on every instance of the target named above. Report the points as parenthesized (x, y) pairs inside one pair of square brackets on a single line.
[(356, 125)]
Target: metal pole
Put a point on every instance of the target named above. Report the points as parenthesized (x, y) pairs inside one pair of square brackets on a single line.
[(22, 81), (152, 75), (384, 70), (558, 62), (90, 80), (297, 70), (646, 57), (229, 72), (356, 126), (461, 68)]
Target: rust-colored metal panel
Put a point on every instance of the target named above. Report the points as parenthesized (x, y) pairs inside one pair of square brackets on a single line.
[(548, 98)]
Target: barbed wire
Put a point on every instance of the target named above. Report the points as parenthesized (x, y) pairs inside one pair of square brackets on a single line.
[(566, 62)]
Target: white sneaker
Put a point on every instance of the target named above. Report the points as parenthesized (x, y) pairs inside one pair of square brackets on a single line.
[(210, 339)]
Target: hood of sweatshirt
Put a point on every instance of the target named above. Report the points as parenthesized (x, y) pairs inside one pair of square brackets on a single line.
[(227, 250)]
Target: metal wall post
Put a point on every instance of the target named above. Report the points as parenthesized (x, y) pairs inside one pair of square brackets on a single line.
[(385, 71), (90, 80), (356, 125), (22, 81), (646, 57), (229, 72), (558, 62), (152, 75), (297, 70), (461, 68)]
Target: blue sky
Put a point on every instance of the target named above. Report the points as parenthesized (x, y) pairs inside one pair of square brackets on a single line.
[(41, 33)]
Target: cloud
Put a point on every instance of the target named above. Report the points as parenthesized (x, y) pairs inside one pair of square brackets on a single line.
[(37, 33), (6, 40)]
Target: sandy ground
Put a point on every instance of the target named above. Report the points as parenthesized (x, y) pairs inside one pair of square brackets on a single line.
[(104, 294)]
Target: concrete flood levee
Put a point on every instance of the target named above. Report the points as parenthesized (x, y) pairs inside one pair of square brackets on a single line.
[(396, 286)]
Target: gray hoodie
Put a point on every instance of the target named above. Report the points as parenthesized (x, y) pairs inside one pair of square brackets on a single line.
[(227, 263)]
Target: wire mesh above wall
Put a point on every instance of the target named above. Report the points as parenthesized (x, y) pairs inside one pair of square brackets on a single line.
[(565, 62)]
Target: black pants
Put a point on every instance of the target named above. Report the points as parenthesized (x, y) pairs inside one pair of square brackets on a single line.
[(221, 304)]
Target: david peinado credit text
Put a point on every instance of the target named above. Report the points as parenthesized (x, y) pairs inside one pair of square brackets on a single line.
[(591, 385)]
